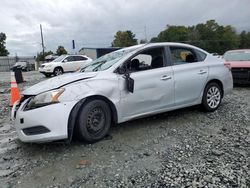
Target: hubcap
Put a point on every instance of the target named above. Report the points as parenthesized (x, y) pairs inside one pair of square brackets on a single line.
[(58, 72), (95, 121), (213, 97)]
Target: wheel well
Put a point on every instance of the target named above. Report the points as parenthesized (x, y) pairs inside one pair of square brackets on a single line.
[(219, 83), (59, 68), (111, 105), (75, 112)]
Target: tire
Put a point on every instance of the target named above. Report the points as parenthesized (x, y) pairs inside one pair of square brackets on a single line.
[(212, 97), (47, 75), (58, 71), (94, 121)]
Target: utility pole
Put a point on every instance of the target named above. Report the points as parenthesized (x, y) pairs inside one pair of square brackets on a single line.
[(42, 38), (73, 46), (145, 32)]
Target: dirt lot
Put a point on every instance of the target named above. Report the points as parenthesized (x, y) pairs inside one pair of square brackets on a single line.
[(183, 148)]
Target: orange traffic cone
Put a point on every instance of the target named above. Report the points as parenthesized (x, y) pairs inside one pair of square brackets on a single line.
[(14, 93)]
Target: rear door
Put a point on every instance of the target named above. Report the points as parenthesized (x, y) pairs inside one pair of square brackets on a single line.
[(190, 74), (80, 61)]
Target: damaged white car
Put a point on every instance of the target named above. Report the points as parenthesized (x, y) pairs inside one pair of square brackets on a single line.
[(126, 84)]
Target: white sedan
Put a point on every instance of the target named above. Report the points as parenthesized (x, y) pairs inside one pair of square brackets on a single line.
[(130, 83)]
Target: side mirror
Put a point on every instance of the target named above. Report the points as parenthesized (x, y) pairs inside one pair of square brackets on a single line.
[(121, 70), (129, 83), (65, 60)]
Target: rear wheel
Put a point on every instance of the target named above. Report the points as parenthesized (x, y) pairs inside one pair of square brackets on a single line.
[(212, 97), (94, 121), (58, 71)]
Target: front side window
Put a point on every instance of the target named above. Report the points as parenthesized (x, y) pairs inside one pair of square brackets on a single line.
[(69, 58), (180, 55), (145, 60)]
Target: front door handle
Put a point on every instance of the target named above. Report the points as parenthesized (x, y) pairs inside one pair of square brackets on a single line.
[(202, 72), (165, 77)]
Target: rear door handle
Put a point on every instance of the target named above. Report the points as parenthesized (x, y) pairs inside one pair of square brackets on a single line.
[(165, 77), (202, 72)]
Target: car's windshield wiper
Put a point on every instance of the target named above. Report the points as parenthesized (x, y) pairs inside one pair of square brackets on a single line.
[(100, 64), (95, 65)]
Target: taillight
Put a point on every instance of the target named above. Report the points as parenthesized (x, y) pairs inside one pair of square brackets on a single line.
[(228, 65)]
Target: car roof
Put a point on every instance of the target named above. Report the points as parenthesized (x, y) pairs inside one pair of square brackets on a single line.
[(169, 44), (162, 44), (174, 44), (75, 55)]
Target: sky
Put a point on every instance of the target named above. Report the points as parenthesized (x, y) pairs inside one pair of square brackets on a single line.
[(93, 23)]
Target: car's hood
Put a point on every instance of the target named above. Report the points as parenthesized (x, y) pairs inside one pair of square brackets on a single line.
[(57, 82), (239, 64)]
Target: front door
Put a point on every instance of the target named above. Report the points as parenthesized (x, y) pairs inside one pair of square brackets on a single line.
[(69, 64), (153, 84)]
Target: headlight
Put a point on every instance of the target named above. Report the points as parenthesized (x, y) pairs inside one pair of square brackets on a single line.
[(48, 66), (44, 99)]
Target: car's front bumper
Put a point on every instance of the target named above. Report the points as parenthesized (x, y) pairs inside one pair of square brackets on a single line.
[(42, 124), (45, 70)]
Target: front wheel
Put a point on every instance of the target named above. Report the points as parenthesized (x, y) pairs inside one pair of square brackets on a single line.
[(47, 75), (58, 71), (212, 97), (94, 121)]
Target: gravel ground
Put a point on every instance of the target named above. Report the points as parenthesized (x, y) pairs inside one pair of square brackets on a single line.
[(183, 148)]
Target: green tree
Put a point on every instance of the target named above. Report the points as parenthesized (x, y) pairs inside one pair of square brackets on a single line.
[(3, 50), (229, 40), (217, 38), (41, 57), (210, 36), (154, 39), (244, 40), (61, 50), (173, 34), (124, 39), (143, 41)]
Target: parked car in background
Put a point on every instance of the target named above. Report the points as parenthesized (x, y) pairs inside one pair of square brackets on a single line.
[(24, 65), (239, 61), (64, 63), (126, 84)]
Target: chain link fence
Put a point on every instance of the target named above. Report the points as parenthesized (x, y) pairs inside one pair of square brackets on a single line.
[(7, 62)]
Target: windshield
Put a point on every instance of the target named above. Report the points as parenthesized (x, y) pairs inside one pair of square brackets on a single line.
[(59, 59), (237, 56), (108, 60)]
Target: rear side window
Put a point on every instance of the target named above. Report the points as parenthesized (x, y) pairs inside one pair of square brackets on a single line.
[(80, 58), (201, 56), (181, 55)]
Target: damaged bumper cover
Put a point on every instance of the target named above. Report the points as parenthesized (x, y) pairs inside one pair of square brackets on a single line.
[(42, 124)]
